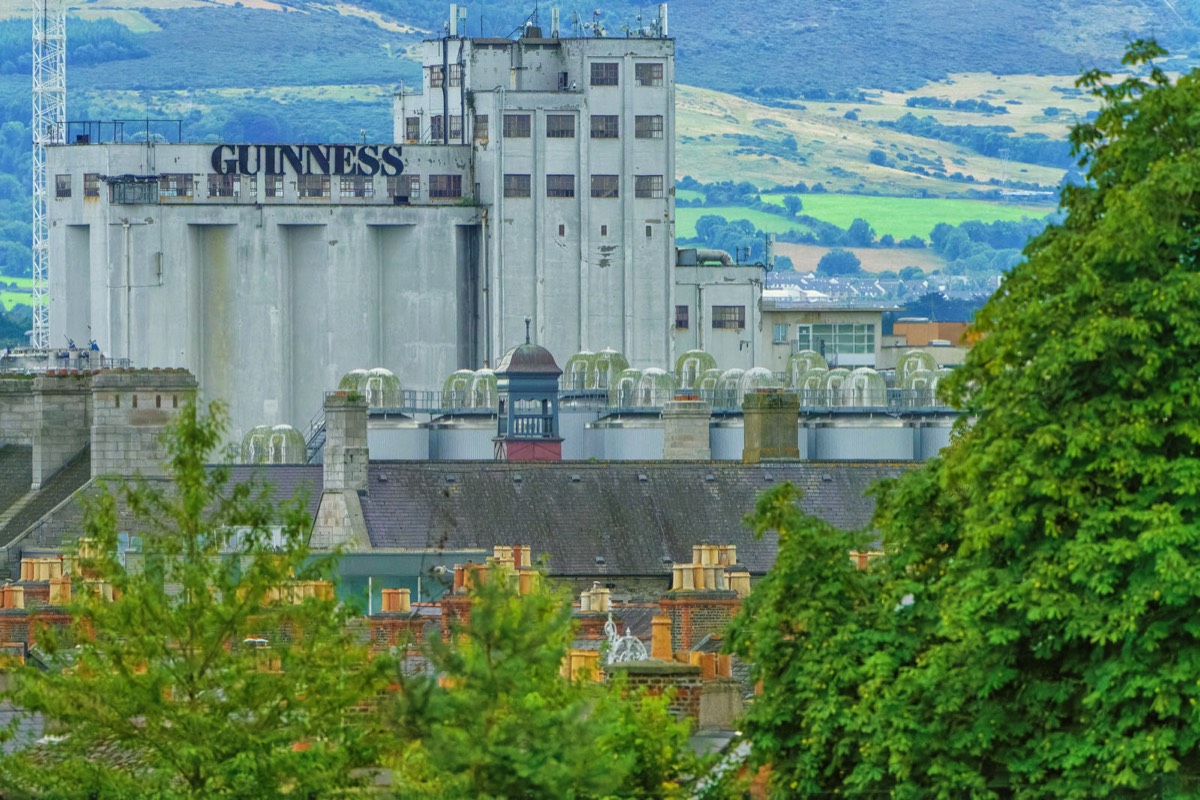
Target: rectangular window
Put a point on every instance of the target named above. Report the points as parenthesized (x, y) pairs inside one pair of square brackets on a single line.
[(175, 184), (728, 318), (445, 185), (648, 186), (456, 74), (404, 186), (312, 186), (681, 318), (250, 185), (516, 126), (91, 184), (435, 77), (606, 126), (560, 186), (481, 127), (456, 130), (436, 128), (648, 74), (273, 186), (223, 185), (648, 126), (517, 186), (412, 129), (780, 333), (606, 185), (356, 186), (604, 73), (62, 185), (833, 340), (560, 126)]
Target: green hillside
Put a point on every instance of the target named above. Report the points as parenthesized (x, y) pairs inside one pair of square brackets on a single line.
[(962, 99)]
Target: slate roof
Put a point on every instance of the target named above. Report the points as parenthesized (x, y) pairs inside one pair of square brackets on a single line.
[(16, 475), (632, 515)]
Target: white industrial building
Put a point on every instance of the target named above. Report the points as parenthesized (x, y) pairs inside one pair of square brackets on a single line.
[(531, 178)]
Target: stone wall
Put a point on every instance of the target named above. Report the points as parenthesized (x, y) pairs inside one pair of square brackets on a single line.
[(62, 402), (130, 410), (685, 431), (17, 414)]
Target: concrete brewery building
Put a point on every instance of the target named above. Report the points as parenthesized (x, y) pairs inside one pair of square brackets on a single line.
[(529, 178)]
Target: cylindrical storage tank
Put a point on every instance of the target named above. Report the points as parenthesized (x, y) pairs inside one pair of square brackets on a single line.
[(631, 438), (579, 441), (462, 438), (727, 438), (934, 436), (883, 440), (397, 439)]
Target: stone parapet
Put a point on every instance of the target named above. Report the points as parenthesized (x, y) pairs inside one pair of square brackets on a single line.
[(130, 410)]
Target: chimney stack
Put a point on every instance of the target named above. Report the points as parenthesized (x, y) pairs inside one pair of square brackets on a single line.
[(340, 520), (770, 426)]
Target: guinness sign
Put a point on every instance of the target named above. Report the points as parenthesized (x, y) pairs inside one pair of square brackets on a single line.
[(307, 159)]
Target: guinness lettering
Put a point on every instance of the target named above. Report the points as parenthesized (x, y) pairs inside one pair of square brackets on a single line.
[(308, 159)]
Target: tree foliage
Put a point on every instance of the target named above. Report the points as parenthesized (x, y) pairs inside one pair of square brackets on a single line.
[(494, 718), (838, 262), (1032, 631), (169, 689)]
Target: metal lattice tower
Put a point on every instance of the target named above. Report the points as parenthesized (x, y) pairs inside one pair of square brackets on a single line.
[(49, 127)]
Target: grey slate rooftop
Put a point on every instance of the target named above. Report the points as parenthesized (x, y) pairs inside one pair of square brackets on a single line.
[(595, 519), (19, 507)]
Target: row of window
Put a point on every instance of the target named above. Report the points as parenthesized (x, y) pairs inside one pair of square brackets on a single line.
[(603, 126), (603, 73), (833, 339), (91, 185), (519, 126), (723, 318), (607, 73), (307, 186), (603, 186)]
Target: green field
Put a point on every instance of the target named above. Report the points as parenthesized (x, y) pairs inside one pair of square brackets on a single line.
[(685, 219), (9, 297), (900, 216)]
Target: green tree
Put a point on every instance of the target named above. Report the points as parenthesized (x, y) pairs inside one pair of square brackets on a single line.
[(1031, 632), (838, 262), (495, 719), (169, 689)]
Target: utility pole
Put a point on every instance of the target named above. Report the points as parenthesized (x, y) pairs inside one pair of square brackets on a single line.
[(49, 128)]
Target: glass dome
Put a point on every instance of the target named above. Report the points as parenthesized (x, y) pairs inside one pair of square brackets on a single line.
[(912, 361), (691, 366), (623, 389), (865, 387), (654, 389), (578, 370), (606, 366), (470, 390), (802, 362), (274, 444), (757, 378), (379, 386)]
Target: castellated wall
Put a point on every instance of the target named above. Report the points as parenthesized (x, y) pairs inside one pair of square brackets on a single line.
[(130, 411)]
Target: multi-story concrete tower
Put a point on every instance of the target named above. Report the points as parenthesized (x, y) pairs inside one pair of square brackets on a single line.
[(532, 177), (573, 149)]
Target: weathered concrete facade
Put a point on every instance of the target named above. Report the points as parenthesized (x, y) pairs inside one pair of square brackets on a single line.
[(270, 271)]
